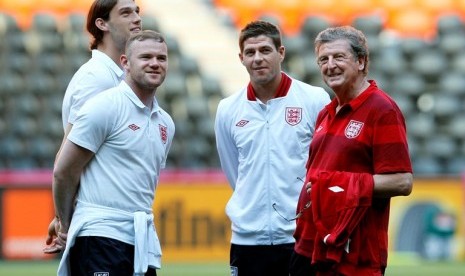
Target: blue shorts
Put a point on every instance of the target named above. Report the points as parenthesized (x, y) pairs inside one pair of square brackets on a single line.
[(99, 256)]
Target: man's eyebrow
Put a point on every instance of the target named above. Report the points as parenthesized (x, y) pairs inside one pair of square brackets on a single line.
[(126, 9)]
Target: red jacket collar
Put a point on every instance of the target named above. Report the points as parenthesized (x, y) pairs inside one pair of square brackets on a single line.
[(282, 90)]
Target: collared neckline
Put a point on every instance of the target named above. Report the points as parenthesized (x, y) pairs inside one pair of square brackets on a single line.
[(282, 90), (133, 97), (357, 101), (101, 56)]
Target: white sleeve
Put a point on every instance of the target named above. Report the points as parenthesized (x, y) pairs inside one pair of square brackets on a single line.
[(93, 124), (227, 150), (320, 100), (89, 85)]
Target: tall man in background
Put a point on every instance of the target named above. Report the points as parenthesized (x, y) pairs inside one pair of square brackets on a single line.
[(109, 22), (110, 164), (263, 133), (359, 159)]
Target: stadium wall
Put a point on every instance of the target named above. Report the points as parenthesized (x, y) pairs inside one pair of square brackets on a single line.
[(190, 218)]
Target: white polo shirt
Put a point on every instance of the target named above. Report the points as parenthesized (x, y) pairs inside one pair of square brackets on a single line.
[(263, 149), (131, 144), (96, 75)]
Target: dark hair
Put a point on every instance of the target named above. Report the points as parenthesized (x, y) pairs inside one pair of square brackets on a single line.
[(141, 36), (357, 40), (257, 28), (99, 9)]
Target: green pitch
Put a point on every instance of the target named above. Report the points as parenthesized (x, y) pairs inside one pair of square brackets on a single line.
[(48, 268)]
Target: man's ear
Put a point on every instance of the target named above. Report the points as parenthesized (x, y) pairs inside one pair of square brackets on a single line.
[(124, 62), (101, 24), (282, 52), (362, 64)]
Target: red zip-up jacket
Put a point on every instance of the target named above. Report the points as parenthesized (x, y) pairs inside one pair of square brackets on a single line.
[(339, 202)]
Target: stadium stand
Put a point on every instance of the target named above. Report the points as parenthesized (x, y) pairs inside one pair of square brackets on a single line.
[(44, 51), (417, 50)]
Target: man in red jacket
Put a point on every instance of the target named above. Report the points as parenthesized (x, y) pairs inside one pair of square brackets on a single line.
[(361, 132)]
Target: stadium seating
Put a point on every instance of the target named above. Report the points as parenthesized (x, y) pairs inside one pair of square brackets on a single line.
[(408, 17), (423, 73), (417, 50), (41, 60)]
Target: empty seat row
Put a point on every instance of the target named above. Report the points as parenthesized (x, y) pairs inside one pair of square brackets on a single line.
[(38, 70), (416, 18)]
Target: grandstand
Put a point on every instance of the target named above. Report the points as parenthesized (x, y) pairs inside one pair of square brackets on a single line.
[(417, 56)]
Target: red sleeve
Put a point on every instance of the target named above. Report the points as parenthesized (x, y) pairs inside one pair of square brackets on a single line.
[(390, 148)]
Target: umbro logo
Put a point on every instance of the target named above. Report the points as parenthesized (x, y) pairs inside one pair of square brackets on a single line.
[(242, 123), (134, 128), (336, 189), (101, 273)]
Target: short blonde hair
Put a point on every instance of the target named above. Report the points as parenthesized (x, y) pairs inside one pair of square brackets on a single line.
[(141, 36)]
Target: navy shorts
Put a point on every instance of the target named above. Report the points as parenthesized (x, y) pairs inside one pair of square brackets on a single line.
[(99, 256), (260, 260)]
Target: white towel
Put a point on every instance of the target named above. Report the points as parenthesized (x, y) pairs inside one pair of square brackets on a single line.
[(147, 249)]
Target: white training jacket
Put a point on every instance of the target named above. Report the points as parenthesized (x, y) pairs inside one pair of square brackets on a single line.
[(263, 149)]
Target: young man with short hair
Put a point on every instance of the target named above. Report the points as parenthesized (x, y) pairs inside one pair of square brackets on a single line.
[(109, 22), (263, 133), (110, 166)]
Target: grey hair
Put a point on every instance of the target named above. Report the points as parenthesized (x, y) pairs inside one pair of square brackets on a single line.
[(356, 38)]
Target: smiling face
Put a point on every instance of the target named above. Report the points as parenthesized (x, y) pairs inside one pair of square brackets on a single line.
[(339, 67), (261, 59), (123, 21), (146, 64)]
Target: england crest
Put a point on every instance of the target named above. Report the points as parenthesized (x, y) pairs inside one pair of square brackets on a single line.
[(353, 129), (293, 115), (163, 133)]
